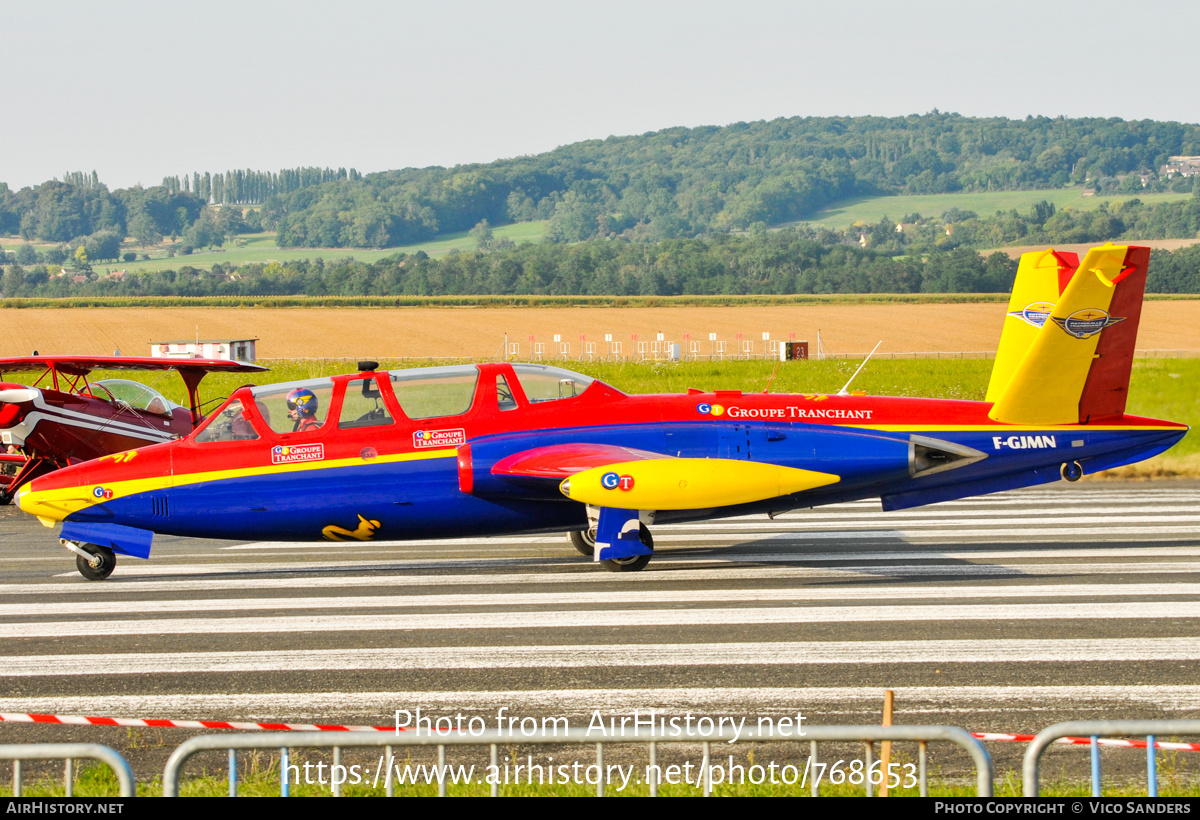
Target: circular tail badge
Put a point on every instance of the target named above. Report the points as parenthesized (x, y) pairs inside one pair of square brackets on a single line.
[(1083, 324)]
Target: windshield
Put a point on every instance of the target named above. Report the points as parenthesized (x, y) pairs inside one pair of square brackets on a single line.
[(545, 383), (136, 395), (228, 424)]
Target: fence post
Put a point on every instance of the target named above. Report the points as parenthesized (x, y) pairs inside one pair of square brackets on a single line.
[(1151, 773)]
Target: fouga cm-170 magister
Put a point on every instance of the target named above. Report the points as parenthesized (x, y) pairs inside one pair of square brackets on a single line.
[(478, 450)]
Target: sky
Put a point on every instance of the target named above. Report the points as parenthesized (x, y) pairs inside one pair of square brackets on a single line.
[(140, 90)]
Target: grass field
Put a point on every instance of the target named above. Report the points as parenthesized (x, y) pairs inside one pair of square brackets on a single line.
[(262, 248), (1159, 388), (871, 209)]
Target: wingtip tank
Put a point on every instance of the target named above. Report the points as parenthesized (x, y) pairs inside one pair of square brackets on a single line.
[(688, 483)]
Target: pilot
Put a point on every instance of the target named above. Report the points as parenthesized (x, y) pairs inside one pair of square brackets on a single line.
[(302, 410)]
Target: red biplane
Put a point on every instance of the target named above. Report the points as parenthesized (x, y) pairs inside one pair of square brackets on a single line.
[(63, 419)]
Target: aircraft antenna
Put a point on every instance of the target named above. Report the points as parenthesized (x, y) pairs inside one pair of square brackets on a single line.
[(845, 391)]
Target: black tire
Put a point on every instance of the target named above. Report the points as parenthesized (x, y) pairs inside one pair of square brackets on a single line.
[(584, 541), (104, 566), (5, 498), (634, 563), (1071, 471)]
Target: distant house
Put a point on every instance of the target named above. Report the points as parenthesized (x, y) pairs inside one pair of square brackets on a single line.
[(1184, 166), (239, 350)]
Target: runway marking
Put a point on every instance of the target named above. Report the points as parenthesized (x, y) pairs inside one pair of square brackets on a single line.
[(929, 517), (117, 586), (380, 706), (799, 595), (1037, 528), (131, 568), (591, 619), (794, 653)]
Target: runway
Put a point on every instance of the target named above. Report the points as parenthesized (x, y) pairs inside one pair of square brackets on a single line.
[(1000, 614)]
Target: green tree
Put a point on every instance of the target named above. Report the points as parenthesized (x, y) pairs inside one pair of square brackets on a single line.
[(26, 255), (142, 229), (81, 260), (482, 234)]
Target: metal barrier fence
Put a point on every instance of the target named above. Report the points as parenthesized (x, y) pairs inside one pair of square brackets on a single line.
[(69, 752), (1095, 729), (284, 741)]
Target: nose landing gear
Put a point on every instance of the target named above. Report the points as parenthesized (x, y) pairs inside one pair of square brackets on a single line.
[(93, 562)]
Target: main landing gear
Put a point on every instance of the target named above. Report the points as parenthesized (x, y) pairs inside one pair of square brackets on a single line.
[(93, 562), (585, 542), (1072, 471)]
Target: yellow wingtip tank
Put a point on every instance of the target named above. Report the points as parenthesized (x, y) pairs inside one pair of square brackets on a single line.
[(688, 483)]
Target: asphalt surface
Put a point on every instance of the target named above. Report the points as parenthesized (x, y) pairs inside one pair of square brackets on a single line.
[(1005, 613)]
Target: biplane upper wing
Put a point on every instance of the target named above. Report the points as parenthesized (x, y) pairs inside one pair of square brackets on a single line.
[(82, 365)]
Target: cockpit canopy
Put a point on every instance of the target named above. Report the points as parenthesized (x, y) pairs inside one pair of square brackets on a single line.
[(122, 392), (419, 393)]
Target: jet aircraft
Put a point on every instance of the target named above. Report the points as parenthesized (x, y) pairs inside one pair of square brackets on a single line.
[(62, 418), (476, 450)]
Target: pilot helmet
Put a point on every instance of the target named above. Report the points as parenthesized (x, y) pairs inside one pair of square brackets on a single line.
[(303, 401)]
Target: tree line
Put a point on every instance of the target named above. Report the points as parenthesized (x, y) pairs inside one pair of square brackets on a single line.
[(675, 183), (780, 262)]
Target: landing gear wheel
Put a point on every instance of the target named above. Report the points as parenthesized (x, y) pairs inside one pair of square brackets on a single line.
[(105, 562), (1072, 471), (634, 562), (5, 498), (584, 541)]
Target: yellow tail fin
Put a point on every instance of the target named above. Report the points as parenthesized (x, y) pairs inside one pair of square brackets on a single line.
[(1076, 365)]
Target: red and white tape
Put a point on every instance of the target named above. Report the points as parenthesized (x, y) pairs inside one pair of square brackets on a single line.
[(76, 720), (1087, 741)]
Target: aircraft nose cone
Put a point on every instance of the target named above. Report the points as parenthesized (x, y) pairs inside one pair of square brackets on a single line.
[(565, 487), (34, 503)]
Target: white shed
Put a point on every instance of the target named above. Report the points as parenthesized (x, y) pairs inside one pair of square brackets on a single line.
[(237, 350)]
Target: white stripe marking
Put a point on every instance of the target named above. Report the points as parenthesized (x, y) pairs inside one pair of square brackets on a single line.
[(577, 597), (117, 586), (321, 706), (129, 568), (590, 619), (615, 655), (1097, 532)]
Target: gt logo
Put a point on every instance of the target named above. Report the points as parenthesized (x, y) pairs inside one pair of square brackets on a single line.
[(710, 409), (100, 492), (611, 481)]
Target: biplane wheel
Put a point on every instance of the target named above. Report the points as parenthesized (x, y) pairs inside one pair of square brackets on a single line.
[(106, 562), (5, 498), (634, 562), (584, 541)]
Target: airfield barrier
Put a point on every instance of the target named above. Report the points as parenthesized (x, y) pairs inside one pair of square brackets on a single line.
[(70, 752), (493, 739), (1094, 729)]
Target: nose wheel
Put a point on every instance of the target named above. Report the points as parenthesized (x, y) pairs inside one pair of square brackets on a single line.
[(93, 562)]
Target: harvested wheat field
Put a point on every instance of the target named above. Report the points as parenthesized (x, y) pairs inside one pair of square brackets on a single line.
[(1015, 251), (479, 332)]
